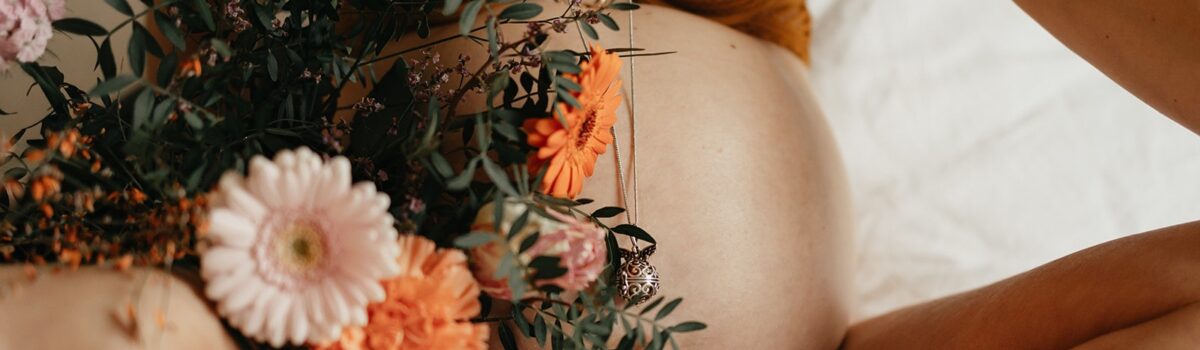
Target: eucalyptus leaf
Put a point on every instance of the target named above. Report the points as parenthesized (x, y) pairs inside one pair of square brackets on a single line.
[(689, 326), (167, 27), (121, 6), (608, 21), (589, 30), (80, 26), (521, 11), (450, 7), (624, 6), (499, 178), (142, 108), (466, 21), (667, 309), (111, 85), (474, 239), (633, 231), (607, 212)]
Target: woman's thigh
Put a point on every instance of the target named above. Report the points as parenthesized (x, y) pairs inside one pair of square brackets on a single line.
[(1062, 304)]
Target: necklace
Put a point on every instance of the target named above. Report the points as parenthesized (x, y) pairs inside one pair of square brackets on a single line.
[(637, 279)]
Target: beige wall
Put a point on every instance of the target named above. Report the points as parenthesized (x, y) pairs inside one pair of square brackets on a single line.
[(74, 55)]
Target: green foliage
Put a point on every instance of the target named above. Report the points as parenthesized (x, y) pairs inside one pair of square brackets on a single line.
[(160, 130)]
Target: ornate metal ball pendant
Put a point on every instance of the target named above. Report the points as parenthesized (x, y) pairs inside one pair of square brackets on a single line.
[(638, 280)]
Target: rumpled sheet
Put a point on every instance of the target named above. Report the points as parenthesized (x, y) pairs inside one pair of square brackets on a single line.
[(978, 146)]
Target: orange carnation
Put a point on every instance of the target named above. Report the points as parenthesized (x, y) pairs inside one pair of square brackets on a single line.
[(427, 307), (571, 143)]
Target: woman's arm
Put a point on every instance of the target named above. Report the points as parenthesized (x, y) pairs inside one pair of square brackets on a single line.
[(1150, 47), (1093, 293)]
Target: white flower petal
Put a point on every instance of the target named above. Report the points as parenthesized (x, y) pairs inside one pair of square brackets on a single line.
[(256, 315), (229, 228), (263, 182), (220, 259), (239, 200), (268, 298), (220, 288), (298, 319), (277, 320), (335, 303)]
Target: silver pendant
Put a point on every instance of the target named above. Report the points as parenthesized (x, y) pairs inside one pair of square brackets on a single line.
[(638, 280)]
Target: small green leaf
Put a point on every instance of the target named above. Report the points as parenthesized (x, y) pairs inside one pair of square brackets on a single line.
[(607, 212), (450, 7), (649, 307), (80, 26), (474, 239), (272, 66), (589, 30), (528, 242), (608, 21), (440, 164), (567, 84), (507, 339), (193, 120), (499, 178), (624, 6), (463, 180), (105, 59), (112, 85), (137, 49), (633, 231), (169, 30), (521, 11), (565, 67), (121, 6), (221, 47), (467, 19), (666, 309), (690, 326), (142, 108), (205, 12)]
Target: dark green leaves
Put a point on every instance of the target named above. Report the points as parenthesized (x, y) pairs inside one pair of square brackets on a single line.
[(467, 19), (624, 6), (633, 231), (521, 11), (121, 6), (667, 309), (689, 326), (474, 239), (112, 85), (608, 21), (607, 212), (450, 6), (80, 26), (169, 30), (137, 48), (142, 107), (589, 30)]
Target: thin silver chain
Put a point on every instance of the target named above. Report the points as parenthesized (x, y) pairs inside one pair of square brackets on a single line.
[(630, 219)]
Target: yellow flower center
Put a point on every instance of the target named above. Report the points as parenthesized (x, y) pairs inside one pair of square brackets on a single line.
[(299, 247)]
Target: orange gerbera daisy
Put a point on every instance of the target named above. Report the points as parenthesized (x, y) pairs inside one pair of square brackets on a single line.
[(570, 144)]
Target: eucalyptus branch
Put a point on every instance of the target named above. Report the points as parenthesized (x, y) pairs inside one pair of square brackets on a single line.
[(138, 15), (177, 97)]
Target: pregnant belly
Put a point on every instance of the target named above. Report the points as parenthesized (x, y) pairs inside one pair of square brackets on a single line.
[(738, 179)]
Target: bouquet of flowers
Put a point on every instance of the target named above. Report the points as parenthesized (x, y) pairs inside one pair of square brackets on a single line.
[(229, 141)]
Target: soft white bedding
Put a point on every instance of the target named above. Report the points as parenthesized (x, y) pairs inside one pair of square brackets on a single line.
[(978, 146)]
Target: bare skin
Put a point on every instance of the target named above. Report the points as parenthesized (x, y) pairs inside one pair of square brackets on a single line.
[(98, 308), (1137, 292), (740, 181)]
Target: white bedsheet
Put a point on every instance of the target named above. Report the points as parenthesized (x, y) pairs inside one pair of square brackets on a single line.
[(978, 146)]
